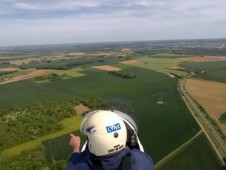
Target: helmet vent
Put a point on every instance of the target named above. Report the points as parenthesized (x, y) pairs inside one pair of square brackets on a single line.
[(115, 134)]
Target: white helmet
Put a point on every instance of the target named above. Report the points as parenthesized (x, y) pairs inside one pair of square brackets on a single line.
[(106, 132)]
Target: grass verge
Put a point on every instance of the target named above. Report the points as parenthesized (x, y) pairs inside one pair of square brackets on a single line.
[(194, 154)]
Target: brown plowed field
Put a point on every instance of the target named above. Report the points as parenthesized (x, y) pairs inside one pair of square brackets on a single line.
[(107, 68), (210, 95), (130, 62), (28, 75)]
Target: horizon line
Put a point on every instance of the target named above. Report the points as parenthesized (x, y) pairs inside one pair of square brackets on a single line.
[(109, 42)]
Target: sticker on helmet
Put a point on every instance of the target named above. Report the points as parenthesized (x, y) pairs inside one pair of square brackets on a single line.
[(113, 128), (91, 129), (116, 148)]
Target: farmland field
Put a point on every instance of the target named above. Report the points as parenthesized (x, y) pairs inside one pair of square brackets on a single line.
[(143, 93), (213, 101), (207, 66), (58, 148), (200, 91), (161, 64), (222, 118), (62, 74), (165, 124), (196, 155), (169, 55), (214, 75)]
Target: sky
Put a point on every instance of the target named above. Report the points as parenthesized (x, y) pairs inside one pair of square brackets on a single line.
[(31, 22)]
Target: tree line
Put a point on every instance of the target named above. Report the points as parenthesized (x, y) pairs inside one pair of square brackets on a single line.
[(57, 65), (123, 75), (50, 77), (2, 73)]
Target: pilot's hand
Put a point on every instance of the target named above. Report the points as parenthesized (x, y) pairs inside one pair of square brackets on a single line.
[(75, 143)]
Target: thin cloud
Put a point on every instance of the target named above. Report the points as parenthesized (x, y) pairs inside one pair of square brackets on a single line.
[(56, 21), (145, 8), (26, 6)]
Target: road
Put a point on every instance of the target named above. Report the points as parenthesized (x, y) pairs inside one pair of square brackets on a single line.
[(201, 115)]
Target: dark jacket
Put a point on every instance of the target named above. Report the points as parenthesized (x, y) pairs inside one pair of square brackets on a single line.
[(84, 160)]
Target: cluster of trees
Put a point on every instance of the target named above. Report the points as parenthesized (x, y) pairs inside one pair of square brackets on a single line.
[(2, 73), (95, 103), (30, 160), (38, 119), (50, 77), (52, 67), (175, 75), (4, 62), (123, 75), (32, 122), (79, 63)]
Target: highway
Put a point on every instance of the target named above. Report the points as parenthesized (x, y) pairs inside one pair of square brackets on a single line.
[(201, 115)]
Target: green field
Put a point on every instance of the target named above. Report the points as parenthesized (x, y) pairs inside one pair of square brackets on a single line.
[(169, 55), (198, 154), (214, 75), (161, 64), (58, 148), (63, 74), (207, 66), (214, 71), (166, 123), (222, 118)]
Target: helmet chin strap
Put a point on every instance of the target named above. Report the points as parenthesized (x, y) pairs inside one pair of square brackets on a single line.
[(134, 137), (84, 146)]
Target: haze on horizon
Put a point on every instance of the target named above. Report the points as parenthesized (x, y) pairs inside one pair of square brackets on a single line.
[(30, 22)]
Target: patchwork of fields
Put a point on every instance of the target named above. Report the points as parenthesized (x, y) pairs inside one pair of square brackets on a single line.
[(166, 121)]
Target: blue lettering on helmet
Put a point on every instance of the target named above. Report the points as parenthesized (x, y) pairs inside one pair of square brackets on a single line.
[(113, 128)]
